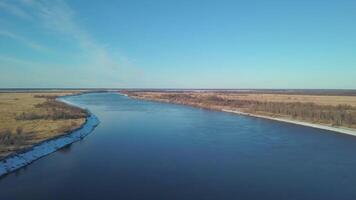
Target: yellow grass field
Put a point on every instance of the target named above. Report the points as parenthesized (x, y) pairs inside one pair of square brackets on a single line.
[(317, 99), (286, 98), (17, 134)]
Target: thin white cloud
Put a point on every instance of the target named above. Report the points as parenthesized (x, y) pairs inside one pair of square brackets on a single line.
[(23, 40), (57, 17)]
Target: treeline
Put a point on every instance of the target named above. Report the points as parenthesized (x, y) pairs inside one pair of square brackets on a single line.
[(341, 115), (53, 110)]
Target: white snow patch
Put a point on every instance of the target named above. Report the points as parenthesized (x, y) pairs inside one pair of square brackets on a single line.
[(318, 126)]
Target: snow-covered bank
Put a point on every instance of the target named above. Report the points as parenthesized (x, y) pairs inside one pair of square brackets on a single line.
[(319, 126), (19, 160), (123, 94)]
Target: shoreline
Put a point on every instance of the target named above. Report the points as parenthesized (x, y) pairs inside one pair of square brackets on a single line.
[(307, 124), (26, 157), (347, 131)]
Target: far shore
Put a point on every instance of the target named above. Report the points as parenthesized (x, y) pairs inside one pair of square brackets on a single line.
[(195, 99)]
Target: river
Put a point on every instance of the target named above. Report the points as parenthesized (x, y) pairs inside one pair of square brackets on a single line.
[(150, 150)]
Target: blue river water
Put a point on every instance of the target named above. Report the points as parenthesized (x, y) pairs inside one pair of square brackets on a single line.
[(150, 150)]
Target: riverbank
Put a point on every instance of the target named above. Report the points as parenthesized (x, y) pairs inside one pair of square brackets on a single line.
[(318, 126), (242, 103), (29, 118), (18, 160)]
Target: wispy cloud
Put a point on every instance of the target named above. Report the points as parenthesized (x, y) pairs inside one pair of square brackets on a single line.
[(59, 18), (23, 40)]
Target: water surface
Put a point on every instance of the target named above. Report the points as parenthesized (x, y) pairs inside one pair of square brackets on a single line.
[(150, 150)]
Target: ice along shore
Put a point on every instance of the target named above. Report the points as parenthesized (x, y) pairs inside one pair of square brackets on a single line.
[(318, 126), (19, 160)]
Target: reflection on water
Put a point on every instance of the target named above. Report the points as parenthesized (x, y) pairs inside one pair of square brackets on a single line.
[(149, 150), (21, 171), (66, 149)]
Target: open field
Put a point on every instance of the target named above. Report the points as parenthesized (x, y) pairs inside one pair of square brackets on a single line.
[(292, 98), (329, 110), (29, 118)]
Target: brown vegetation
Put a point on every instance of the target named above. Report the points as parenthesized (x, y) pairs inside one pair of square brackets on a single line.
[(55, 110), (329, 110), (30, 118)]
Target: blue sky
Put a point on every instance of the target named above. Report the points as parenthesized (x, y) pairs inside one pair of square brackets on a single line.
[(178, 44)]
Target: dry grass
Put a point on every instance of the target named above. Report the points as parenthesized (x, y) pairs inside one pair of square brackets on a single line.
[(17, 133), (286, 98), (289, 98), (319, 109)]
